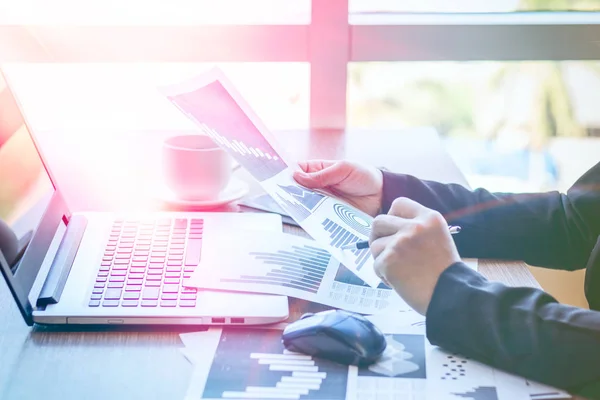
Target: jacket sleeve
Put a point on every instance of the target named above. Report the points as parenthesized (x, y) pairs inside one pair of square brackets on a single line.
[(551, 229), (520, 330)]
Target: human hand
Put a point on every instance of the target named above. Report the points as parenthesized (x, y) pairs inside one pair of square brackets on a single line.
[(412, 246), (356, 184)]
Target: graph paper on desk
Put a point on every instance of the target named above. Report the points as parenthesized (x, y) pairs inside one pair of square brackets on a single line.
[(252, 364), (246, 364), (234, 363), (292, 266), (211, 101)]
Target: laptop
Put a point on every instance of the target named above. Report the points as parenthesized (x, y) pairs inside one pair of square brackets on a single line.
[(104, 268)]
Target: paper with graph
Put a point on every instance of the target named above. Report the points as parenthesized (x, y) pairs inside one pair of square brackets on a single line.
[(411, 368), (289, 265), (251, 363), (234, 363), (212, 102)]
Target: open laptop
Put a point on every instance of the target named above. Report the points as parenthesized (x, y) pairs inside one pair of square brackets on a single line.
[(102, 268)]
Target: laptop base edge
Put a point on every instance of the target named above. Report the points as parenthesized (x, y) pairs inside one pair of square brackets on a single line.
[(54, 320)]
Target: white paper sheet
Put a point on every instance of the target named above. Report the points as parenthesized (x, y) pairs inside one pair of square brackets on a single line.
[(412, 368), (213, 103), (539, 391), (289, 265), (238, 362), (253, 364)]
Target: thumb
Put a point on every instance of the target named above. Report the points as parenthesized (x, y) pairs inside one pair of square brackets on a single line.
[(307, 179)]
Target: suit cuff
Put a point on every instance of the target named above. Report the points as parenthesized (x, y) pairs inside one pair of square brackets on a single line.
[(449, 304), (394, 186)]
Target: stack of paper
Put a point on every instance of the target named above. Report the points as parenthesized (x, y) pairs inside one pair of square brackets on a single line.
[(288, 265), (324, 271), (251, 363), (212, 102)]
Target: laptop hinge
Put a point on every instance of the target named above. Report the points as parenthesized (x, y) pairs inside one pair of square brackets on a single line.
[(63, 261)]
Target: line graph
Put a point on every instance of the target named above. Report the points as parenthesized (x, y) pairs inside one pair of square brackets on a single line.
[(301, 268), (308, 198), (297, 201)]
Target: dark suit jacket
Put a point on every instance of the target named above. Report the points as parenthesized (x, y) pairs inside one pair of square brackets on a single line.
[(520, 330)]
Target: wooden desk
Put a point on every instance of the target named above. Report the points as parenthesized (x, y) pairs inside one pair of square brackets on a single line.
[(143, 362)]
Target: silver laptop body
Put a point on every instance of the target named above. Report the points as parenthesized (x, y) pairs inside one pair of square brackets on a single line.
[(102, 268)]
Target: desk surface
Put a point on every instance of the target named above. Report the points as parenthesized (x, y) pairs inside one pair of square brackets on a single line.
[(133, 362), (90, 169)]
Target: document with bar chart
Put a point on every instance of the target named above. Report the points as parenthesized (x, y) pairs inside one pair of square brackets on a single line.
[(293, 266), (251, 363), (412, 368), (213, 103), (239, 363), (330, 222)]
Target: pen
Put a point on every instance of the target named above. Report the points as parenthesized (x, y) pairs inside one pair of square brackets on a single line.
[(364, 244)]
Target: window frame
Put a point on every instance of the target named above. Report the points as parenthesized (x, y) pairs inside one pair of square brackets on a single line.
[(515, 36)]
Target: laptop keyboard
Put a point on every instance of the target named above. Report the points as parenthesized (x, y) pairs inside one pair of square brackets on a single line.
[(145, 262)]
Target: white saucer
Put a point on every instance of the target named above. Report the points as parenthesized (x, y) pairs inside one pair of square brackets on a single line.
[(234, 191)]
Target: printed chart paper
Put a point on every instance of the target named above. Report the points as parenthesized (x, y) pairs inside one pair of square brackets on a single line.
[(211, 101), (538, 391), (240, 363), (290, 265), (253, 364), (414, 369)]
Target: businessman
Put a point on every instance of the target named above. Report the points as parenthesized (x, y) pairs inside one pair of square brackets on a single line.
[(521, 330)]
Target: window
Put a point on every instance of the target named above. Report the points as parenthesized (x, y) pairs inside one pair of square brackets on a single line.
[(103, 95), (509, 125), (332, 64), (157, 13), (471, 6), (108, 121)]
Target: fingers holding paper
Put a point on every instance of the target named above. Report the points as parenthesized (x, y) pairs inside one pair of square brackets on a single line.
[(359, 185), (412, 247)]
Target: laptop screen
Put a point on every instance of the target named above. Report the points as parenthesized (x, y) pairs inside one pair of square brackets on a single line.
[(25, 187), (26, 195)]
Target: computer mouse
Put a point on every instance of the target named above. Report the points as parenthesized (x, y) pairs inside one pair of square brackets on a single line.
[(336, 335)]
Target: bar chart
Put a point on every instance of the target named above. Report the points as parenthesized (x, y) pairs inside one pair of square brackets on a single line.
[(220, 117), (294, 209), (345, 276), (340, 236), (261, 163), (479, 393), (301, 268), (253, 364)]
